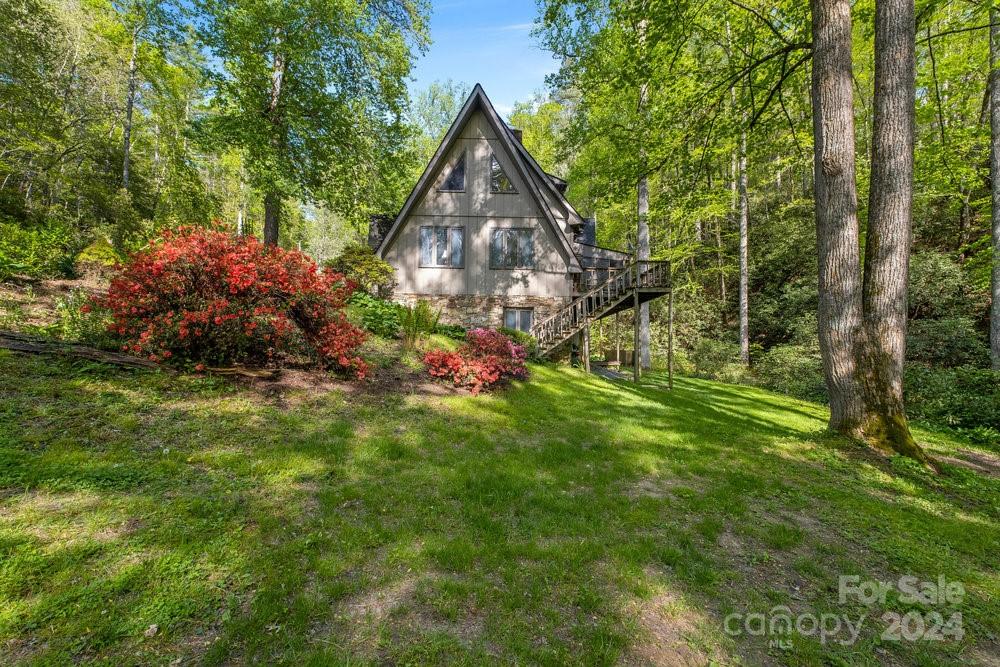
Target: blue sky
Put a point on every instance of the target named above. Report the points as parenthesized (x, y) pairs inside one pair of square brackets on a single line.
[(487, 42)]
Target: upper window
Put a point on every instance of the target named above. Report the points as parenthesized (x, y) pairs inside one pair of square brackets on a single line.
[(456, 179), (442, 246), (499, 182), (512, 249)]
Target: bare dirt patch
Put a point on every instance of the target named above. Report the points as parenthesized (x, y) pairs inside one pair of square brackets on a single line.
[(655, 486), (287, 387), (669, 632), (979, 462), (33, 303)]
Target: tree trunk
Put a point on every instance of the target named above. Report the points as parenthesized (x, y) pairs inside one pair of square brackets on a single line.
[(882, 347), (133, 67), (835, 189), (995, 179), (272, 199), (744, 268), (272, 217), (720, 262), (642, 253)]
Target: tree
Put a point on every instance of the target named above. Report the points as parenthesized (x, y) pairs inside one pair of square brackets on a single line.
[(888, 238), (994, 93), (293, 95), (432, 112), (142, 21), (744, 259), (839, 311)]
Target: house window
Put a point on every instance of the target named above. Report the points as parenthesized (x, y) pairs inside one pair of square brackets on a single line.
[(499, 181), (442, 246), (518, 318), (456, 179), (512, 249)]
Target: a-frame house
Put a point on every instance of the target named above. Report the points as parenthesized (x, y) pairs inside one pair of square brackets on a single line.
[(489, 238)]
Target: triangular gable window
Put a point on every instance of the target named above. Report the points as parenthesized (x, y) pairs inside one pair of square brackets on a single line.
[(499, 181), (456, 179)]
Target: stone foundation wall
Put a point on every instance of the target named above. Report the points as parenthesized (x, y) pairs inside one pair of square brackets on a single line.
[(474, 310)]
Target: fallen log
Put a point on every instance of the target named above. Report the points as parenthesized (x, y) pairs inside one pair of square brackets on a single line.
[(18, 342)]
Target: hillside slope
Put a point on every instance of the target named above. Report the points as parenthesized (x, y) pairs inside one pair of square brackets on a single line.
[(148, 518)]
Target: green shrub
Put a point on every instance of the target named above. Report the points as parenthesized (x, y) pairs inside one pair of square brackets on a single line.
[(416, 321), (88, 326), (99, 254), (796, 370), (948, 342), (358, 263), (453, 331), (378, 316), (718, 360), (962, 397), (42, 250), (525, 340)]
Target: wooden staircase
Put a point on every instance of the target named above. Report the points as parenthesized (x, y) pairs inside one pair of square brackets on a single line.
[(635, 283)]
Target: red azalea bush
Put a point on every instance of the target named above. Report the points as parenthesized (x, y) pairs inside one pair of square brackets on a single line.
[(487, 359), (204, 296)]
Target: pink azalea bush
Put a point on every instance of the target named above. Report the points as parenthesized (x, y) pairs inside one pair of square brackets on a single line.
[(487, 359)]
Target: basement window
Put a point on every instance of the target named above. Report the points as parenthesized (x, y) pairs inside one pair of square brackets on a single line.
[(518, 318), (499, 181), (456, 179)]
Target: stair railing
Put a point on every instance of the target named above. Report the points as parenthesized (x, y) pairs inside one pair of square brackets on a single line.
[(575, 315)]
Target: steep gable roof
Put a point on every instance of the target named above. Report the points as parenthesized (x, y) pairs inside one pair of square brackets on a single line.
[(523, 161)]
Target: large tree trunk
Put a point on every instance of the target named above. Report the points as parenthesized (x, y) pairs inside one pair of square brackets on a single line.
[(882, 347), (744, 254), (133, 69), (835, 188), (995, 179)]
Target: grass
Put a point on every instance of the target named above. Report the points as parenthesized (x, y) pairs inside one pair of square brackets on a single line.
[(565, 520)]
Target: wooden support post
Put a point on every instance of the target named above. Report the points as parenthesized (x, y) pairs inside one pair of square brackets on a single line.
[(670, 338), (586, 348), (635, 340), (618, 341)]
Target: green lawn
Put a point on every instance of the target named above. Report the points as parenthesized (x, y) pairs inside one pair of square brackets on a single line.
[(565, 520)]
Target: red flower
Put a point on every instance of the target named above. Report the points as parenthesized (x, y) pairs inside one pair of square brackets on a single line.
[(163, 298)]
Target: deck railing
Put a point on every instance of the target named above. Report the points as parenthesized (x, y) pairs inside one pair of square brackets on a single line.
[(636, 275)]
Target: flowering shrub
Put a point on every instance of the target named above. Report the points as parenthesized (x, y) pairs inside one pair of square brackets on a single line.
[(204, 296), (487, 359)]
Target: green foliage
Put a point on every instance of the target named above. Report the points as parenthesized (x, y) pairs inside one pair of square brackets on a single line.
[(962, 397), (937, 287), (452, 331), (946, 342), (719, 360), (417, 321), (88, 326), (332, 126), (525, 340), (359, 264), (43, 250), (796, 370), (378, 316), (100, 254)]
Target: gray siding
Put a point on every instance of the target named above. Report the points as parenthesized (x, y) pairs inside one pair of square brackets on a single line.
[(479, 211)]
